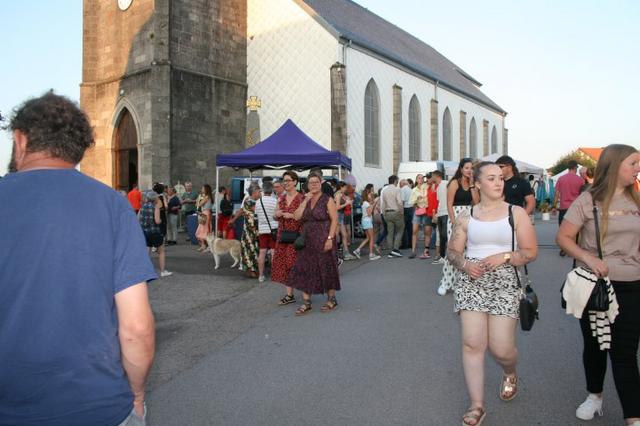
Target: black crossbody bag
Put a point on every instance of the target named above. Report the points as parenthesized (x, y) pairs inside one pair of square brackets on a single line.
[(529, 301)]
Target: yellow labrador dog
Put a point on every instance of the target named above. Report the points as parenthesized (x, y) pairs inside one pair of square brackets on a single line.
[(218, 246)]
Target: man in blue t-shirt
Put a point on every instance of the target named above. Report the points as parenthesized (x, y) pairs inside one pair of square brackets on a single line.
[(76, 328)]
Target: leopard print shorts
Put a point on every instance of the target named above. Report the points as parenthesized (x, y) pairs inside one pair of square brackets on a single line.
[(496, 293)]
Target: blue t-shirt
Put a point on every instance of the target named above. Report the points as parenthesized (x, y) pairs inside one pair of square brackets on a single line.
[(68, 245)]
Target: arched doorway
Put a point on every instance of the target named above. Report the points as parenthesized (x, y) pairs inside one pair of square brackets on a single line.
[(126, 152)]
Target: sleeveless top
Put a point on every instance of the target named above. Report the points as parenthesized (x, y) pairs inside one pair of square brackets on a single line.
[(488, 238), (462, 197), (147, 219)]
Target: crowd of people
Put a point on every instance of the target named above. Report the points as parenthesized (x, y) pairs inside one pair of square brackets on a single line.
[(76, 283)]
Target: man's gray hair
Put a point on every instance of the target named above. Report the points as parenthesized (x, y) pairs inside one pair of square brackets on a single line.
[(150, 196)]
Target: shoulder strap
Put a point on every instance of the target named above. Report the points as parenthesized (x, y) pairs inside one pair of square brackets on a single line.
[(265, 214), (513, 241), (597, 226)]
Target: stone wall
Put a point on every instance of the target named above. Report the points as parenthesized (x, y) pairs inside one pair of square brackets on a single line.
[(179, 67), (338, 108), (485, 138), (505, 141), (434, 130), (463, 134), (397, 127)]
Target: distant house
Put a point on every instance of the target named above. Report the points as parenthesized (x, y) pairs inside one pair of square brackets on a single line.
[(358, 84), (591, 153)]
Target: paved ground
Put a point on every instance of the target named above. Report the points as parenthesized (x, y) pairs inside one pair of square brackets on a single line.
[(390, 354)]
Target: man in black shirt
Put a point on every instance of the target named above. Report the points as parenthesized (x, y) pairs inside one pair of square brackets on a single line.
[(517, 191)]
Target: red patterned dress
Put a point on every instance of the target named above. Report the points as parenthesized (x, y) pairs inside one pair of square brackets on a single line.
[(285, 255)]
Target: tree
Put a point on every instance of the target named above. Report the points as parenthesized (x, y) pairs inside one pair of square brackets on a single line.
[(578, 156)]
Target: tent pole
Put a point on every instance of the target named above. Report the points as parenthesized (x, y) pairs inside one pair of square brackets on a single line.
[(339, 172), (215, 220)]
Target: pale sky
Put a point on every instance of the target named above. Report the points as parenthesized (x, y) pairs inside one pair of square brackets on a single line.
[(567, 72)]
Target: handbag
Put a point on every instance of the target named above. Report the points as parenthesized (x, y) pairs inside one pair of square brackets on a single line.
[(274, 232), (288, 237), (599, 299), (202, 218), (528, 308), (421, 211), (299, 243)]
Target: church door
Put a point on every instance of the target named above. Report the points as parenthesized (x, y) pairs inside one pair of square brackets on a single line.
[(126, 150)]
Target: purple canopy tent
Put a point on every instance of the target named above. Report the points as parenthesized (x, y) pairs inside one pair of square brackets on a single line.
[(287, 148)]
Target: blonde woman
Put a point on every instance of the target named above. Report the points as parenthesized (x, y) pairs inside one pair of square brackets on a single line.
[(618, 207), (487, 294), (419, 201)]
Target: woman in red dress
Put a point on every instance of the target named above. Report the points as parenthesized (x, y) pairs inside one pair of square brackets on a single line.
[(285, 254)]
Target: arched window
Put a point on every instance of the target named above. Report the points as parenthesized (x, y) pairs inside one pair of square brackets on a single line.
[(447, 144), (473, 139), (414, 129), (371, 124), (494, 140)]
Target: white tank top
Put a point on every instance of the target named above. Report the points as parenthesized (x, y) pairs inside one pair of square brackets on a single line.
[(488, 238)]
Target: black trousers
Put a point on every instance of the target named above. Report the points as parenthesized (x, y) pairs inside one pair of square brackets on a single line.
[(625, 333), (442, 231), (408, 227)]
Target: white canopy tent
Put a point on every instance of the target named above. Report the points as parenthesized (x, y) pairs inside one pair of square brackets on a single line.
[(523, 167)]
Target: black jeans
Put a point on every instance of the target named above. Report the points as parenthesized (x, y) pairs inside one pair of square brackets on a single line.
[(408, 227), (625, 333), (442, 231)]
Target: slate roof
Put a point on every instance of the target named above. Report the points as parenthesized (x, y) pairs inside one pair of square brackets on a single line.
[(366, 29)]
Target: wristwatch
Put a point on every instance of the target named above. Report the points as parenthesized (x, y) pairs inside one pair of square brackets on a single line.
[(507, 258)]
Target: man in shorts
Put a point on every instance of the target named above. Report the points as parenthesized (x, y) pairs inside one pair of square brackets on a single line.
[(265, 209)]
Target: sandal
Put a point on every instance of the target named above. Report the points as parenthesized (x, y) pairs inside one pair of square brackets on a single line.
[(304, 308), (508, 388), (331, 304), (425, 255), (475, 415), (288, 299)]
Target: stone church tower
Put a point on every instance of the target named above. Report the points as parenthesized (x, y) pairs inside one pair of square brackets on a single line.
[(164, 85)]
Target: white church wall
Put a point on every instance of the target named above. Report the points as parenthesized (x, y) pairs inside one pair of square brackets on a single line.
[(360, 68), (289, 56)]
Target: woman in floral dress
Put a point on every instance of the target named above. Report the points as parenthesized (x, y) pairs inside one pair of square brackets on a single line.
[(285, 254), (249, 240), (316, 267)]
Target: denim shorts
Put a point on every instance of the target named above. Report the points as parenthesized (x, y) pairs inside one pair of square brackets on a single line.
[(424, 220), (133, 419), (367, 223), (340, 218)]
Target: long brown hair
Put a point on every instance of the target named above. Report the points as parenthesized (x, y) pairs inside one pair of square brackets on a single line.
[(605, 180)]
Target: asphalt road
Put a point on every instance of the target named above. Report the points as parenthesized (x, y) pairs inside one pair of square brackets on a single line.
[(390, 354)]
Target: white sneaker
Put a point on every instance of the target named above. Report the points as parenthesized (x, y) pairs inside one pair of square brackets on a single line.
[(374, 257), (588, 409), (356, 253), (261, 279), (438, 261), (165, 273), (442, 290)]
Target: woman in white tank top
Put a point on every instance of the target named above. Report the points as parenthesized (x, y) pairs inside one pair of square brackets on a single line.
[(487, 295)]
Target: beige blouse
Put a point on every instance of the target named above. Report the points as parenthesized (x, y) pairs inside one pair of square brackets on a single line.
[(621, 245)]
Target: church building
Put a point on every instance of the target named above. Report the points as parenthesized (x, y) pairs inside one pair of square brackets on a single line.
[(167, 83), (359, 84)]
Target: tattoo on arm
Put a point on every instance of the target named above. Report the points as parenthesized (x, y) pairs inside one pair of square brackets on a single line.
[(458, 234), (455, 258)]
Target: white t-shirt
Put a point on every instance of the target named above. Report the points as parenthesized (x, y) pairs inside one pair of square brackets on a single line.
[(442, 199), (270, 205), (365, 207)]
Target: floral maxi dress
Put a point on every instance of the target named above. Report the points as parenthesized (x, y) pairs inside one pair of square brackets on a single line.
[(249, 241)]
